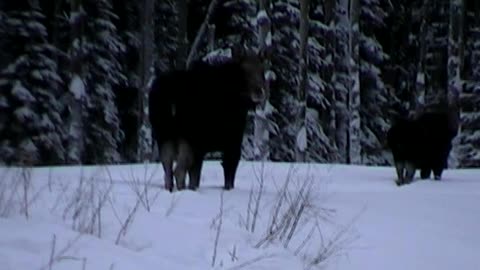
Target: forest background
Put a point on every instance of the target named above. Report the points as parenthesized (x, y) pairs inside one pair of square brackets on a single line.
[(74, 75)]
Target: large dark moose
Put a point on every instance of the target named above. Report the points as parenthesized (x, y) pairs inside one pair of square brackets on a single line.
[(204, 109), (423, 142)]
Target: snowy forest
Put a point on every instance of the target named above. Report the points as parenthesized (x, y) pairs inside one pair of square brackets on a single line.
[(75, 75)]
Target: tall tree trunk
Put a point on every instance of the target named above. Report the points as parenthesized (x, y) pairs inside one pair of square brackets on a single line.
[(455, 50), (437, 52), (301, 138), (455, 59), (342, 79), (145, 68), (420, 80), (261, 122), (182, 39), (354, 148), (76, 95)]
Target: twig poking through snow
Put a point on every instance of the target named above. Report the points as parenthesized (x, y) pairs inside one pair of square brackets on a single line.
[(26, 175), (141, 186), (84, 263), (233, 254), (252, 261), (123, 231), (52, 252), (60, 256), (335, 245), (249, 208), (86, 204), (9, 187), (172, 205), (261, 181), (218, 230)]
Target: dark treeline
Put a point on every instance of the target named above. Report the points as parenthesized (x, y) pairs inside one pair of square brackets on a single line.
[(74, 75)]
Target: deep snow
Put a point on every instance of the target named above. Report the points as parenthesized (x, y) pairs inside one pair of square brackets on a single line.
[(425, 225)]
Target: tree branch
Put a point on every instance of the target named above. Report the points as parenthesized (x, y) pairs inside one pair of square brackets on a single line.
[(201, 32)]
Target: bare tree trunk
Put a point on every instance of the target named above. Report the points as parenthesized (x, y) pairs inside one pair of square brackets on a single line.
[(301, 138), (420, 81), (455, 59), (354, 149), (455, 49), (76, 95), (261, 131), (182, 39), (145, 68), (342, 79)]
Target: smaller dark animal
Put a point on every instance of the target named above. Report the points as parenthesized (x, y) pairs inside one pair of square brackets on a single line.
[(422, 143), (201, 110)]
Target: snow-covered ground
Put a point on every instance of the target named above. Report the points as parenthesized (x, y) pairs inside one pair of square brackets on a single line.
[(348, 217)]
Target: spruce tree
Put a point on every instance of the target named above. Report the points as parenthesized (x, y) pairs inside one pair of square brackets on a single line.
[(374, 95), (30, 90), (469, 137), (104, 74), (285, 44)]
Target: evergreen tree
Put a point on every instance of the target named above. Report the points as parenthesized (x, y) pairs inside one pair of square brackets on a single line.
[(104, 74), (166, 33), (146, 74), (262, 121), (285, 45), (320, 148), (126, 94), (469, 137), (76, 93), (235, 23), (30, 90), (374, 95), (321, 116)]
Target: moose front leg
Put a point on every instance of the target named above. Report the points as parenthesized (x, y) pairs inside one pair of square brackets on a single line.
[(230, 164), (195, 171)]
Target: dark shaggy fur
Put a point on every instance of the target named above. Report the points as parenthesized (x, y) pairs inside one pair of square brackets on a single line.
[(200, 110), (424, 143)]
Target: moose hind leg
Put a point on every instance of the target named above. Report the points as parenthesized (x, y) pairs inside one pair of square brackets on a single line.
[(167, 156), (184, 163), (409, 172), (400, 169)]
